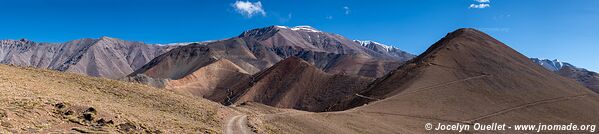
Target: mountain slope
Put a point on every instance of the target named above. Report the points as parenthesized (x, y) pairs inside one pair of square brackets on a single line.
[(294, 83), (103, 57), (467, 77), (42, 101), (215, 77), (587, 78), (257, 49)]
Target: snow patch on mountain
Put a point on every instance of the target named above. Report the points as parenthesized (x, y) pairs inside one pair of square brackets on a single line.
[(305, 28), (284, 27), (553, 65), (385, 49), (187, 43), (367, 43), (301, 28), (177, 44)]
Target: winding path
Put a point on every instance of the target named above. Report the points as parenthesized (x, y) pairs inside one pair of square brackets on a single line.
[(444, 84), (238, 125)]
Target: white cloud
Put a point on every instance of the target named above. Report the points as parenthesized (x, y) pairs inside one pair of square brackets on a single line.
[(479, 6), (483, 1), (249, 9), (346, 8), (329, 17)]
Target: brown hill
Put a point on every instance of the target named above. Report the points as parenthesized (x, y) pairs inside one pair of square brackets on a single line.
[(217, 76), (295, 83), (466, 77), (42, 101), (103, 57), (185, 60)]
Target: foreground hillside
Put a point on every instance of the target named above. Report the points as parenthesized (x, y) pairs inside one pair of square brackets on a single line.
[(467, 77), (41, 101)]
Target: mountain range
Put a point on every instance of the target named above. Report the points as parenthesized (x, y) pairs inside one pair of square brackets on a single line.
[(256, 50), (586, 77), (103, 57), (280, 79)]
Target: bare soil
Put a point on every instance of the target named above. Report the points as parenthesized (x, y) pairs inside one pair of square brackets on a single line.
[(42, 101)]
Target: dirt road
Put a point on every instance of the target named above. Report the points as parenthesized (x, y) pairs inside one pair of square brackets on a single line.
[(238, 125)]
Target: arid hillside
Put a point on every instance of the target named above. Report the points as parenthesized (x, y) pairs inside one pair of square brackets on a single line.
[(217, 77), (294, 83), (587, 78), (467, 77), (103, 57), (42, 101)]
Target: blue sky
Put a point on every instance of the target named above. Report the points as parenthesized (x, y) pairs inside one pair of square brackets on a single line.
[(564, 29)]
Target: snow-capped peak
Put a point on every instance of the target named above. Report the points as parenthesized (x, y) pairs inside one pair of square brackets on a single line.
[(187, 43), (385, 49), (300, 28), (305, 28), (553, 65), (284, 27), (365, 43), (177, 44)]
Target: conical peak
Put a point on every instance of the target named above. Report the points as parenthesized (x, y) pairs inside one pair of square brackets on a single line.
[(464, 38)]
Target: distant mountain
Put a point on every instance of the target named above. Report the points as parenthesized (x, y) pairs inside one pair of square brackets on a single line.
[(588, 78), (552, 65), (184, 68), (385, 49), (258, 49), (102, 57), (184, 43)]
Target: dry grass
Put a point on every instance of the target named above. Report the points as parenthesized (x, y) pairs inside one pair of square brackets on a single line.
[(42, 101)]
